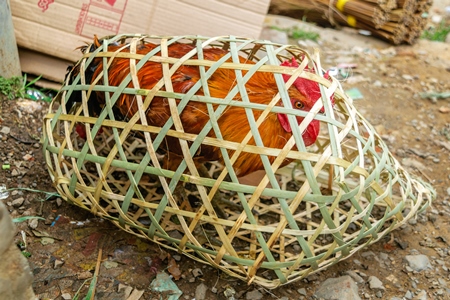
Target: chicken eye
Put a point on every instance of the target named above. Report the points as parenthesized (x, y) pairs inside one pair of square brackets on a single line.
[(298, 105)]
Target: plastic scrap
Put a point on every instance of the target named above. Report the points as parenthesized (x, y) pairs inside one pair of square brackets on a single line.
[(354, 93), (3, 192), (163, 283), (435, 95)]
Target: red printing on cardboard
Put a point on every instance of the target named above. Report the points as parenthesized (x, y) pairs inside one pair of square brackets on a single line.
[(43, 4)]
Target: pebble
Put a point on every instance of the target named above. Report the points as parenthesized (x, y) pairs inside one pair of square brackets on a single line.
[(407, 77), (197, 272), (33, 223), (409, 295), (18, 202), (421, 296), (66, 296), (343, 287), (58, 202), (58, 263), (302, 291), (354, 276), (84, 275), (375, 284), (418, 262), (254, 295), (5, 130), (176, 257), (200, 291)]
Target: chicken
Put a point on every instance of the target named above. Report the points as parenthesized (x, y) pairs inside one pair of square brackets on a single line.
[(275, 130)]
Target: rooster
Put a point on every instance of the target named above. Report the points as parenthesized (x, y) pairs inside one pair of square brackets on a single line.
[(275, 130)]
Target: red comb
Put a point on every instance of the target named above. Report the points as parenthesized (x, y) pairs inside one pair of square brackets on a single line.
[(308, 88)]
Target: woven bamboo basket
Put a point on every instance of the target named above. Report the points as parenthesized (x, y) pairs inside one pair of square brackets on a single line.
[(339, 195)]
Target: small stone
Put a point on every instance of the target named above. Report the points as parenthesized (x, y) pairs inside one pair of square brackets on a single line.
[(383, 256), (355, 276), (14, 172), (254, 295), (367, 254), (422, 295), (403, 245), (17, 202), (33, 223), (58, 263), (377, 83), (176, 257), (84, 275), (412, 221), (197, 272), (418, 262), (5, 130), (375, 283), (409, 295), (302, 291), (200, 292), (66, 296), (338, 288), (214, 290), (379, 294), (407, 77), (58, 202)]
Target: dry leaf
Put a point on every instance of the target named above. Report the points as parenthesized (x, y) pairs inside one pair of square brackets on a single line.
[(173, 268)]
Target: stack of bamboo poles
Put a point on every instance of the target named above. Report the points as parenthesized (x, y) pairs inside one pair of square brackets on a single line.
[(397, 21)]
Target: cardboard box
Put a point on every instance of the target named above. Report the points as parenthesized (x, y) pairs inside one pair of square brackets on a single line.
[(53, 29)]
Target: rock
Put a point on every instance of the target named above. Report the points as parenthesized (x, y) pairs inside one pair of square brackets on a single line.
[(17, 202), (409, 295), (33, 223), (200, 291), (66, 296), (254, 295), (421, 296), (177, 257), (5, 130), (375, 283), (58, 202), (197, 272), (338, 288), (407, 77), (302, 291), (58, 263), (418, 262), (84, 275), (354, 276)]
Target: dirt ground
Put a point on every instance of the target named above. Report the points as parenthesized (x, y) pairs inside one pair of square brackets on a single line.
[(417, 129)]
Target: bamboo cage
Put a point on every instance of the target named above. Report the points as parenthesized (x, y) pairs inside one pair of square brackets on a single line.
[(400, 21), (336, 197)]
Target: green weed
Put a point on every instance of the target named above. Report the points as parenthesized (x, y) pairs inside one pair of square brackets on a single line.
[(299, 33), (18, 87), (437, 33)]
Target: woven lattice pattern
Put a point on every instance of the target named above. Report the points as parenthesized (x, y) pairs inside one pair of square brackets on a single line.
[(337, 196)]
